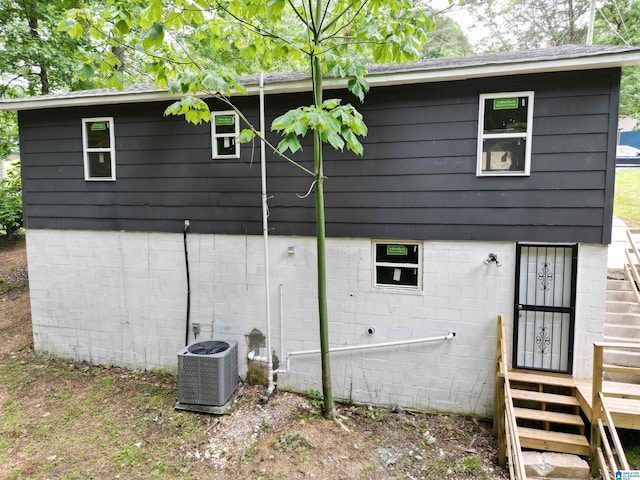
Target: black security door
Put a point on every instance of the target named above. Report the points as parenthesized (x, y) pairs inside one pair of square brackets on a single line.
[(545, 307)]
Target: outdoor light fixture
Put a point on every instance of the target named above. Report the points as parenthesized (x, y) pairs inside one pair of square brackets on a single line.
[(492, 258)]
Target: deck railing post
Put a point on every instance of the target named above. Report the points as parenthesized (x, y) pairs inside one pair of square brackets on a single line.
[(499, 421), (596, 406), (499, 395)]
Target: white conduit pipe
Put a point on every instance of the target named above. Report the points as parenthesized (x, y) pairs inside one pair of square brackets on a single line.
[(448, 336), (281, 321), (265, 234)]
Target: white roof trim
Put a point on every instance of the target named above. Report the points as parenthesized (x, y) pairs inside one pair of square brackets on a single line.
[(401, 77)]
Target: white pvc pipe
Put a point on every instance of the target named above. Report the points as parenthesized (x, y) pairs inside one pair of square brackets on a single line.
[(281, 321), (265, 235), (256, 358), (448, 336)]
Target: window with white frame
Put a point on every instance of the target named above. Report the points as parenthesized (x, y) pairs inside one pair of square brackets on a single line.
[(225, 128), (98, 147), (505, 123), (397, 264)]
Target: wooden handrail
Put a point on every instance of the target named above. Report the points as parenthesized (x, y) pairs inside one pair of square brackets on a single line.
[(505, 425), (621, 369), (600, 410), (633, 259), (516, 449), (605, 473), (610, 460), (618, 345), (617, 444)]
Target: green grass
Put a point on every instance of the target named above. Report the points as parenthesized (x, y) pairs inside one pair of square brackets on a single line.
[(631, 445), (627, 197)]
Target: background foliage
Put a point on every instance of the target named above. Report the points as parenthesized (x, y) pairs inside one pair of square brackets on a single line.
[(11, 201)]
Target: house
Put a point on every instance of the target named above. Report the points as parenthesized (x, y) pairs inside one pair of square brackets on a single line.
[(486, 187)]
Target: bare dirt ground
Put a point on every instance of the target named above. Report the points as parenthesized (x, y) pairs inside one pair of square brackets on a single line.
[(65, 420)]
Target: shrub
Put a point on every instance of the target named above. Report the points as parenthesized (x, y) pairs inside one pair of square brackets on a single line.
[(11, 202)]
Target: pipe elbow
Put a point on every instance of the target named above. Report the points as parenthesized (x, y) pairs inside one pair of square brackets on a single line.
[(257, 358)]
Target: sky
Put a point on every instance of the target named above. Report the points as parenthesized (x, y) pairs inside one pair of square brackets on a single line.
[(461, 15)]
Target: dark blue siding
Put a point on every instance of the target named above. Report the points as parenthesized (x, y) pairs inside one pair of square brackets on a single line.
[(416, 179)]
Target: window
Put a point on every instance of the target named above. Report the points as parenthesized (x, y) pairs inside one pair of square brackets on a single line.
[(98, 146), (224, 135), (504, 133), (397, 265)]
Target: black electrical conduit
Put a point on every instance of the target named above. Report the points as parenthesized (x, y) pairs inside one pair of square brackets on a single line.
[(186, 264)]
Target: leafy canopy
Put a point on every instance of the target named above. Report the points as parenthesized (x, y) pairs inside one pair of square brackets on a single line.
[(333, 35), (11, 201), (36, 57), (529, 24), (618, 23)]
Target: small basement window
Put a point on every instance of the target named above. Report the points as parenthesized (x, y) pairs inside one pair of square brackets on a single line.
[(397, 265), (98, 146), (504, 133), (224, 134)]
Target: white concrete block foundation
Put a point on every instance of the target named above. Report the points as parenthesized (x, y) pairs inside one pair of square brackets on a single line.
[(120, 298)]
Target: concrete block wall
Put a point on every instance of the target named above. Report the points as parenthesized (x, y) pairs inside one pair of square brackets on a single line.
[(590, 305), (120, 298)]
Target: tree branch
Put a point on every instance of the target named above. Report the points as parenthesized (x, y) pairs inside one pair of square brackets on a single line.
[(298, 14), (324, 14), (316, 33), (355, 15), (253, 28), (338, 17)]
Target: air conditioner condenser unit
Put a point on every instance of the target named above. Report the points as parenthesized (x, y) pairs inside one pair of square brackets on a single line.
[(207, 375)]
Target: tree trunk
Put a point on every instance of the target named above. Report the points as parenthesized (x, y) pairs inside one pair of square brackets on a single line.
[(327, 393), (572, 23), (31, 11)]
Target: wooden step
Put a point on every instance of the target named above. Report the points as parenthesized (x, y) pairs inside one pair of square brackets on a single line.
[(553, 380), (547, 416), (553, 441), (554, 398)]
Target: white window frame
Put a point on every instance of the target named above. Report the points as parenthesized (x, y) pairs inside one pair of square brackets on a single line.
[(376, 263), (215, 135), (86, 150), (525, 135)]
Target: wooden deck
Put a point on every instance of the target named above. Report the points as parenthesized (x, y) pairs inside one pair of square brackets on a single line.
[(623, 400), (547, 412), (553, 402)]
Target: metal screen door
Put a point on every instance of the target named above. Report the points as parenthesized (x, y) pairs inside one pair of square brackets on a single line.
[(545, 307)]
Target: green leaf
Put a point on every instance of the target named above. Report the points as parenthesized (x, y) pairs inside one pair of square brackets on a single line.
[(123, 27), (157, 32), (173, 20), (115, 81), (289, 142), (86, 72), (331, 104), (283, 121), (72, 27), (275, 7), (335, 141), (246, 135), (195, 110)]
